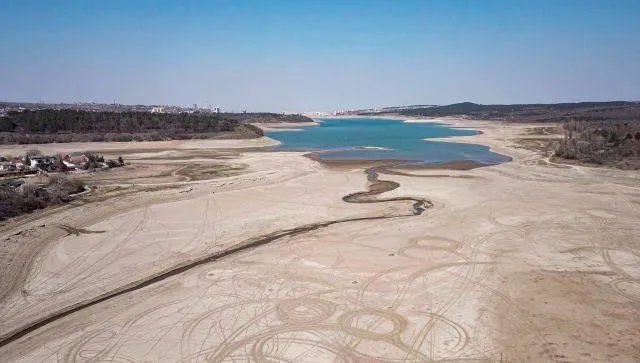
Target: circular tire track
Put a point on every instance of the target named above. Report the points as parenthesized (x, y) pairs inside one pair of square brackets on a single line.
[(348, 322), (305, 311), (375, 187)]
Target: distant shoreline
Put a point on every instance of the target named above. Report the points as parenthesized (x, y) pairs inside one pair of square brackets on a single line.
[(283, 126)]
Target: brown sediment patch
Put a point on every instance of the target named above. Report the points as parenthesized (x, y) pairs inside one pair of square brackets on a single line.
[(459, 165), (154, 173), (345, 164), (393, 171), (449, 165), (342, 164), (374, 188), (207, 172)]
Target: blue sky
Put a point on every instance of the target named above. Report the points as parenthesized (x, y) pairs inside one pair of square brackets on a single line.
[(308, 55)]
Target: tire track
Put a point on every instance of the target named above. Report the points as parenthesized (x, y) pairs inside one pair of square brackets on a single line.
[(24, 268), (375, 187), (86, 273)]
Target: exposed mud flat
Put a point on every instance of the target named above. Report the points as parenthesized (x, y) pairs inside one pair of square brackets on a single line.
[(375, 187), (522, 261)]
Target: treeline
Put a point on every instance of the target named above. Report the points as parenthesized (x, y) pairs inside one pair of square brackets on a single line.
[(55, 189), (558, 112), (54, 121), (605, 142), (45, 126)]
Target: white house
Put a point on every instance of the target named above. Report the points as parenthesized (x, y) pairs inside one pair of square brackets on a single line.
[(42, 161), (75, 161), (7, 166)]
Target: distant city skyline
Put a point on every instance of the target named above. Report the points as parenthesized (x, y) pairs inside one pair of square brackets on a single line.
[(319, 55)]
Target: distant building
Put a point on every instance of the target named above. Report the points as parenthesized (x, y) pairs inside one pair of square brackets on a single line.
[(7, 166), (75, 161), (217, 109), (42, 162), (157, 110)]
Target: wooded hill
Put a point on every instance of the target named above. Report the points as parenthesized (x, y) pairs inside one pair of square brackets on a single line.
[(42, 126), (558, 112), (601, 142)]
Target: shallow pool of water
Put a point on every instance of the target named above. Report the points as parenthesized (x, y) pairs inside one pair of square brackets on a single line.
[(383, 139)]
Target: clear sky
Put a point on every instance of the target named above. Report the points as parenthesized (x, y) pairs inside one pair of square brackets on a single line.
[(313, 55)]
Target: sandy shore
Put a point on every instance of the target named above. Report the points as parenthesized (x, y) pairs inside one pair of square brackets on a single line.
[(284, 126), (69, 147), (523, 261)]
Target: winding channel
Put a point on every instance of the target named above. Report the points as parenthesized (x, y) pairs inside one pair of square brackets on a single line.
[(375, 187)]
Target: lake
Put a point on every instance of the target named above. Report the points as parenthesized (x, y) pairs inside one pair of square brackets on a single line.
[(383, 139)]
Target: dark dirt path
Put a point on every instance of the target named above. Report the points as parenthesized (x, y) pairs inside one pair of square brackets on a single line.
[(375, 187)]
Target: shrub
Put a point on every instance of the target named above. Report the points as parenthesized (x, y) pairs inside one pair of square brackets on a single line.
[(13, 204), (602, 142), (61, 187), (96, 138)]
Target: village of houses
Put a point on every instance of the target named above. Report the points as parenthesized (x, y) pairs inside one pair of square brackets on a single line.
[(35, 181), (33, 163)]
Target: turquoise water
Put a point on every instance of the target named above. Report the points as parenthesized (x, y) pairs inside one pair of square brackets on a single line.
[(369, 138)]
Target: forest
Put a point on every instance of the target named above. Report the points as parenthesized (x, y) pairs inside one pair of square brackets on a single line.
[(555, 112), (604, 143), (48, 125), (54, 121)]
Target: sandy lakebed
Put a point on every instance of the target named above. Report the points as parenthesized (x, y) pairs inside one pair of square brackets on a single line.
[(198, 253)]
